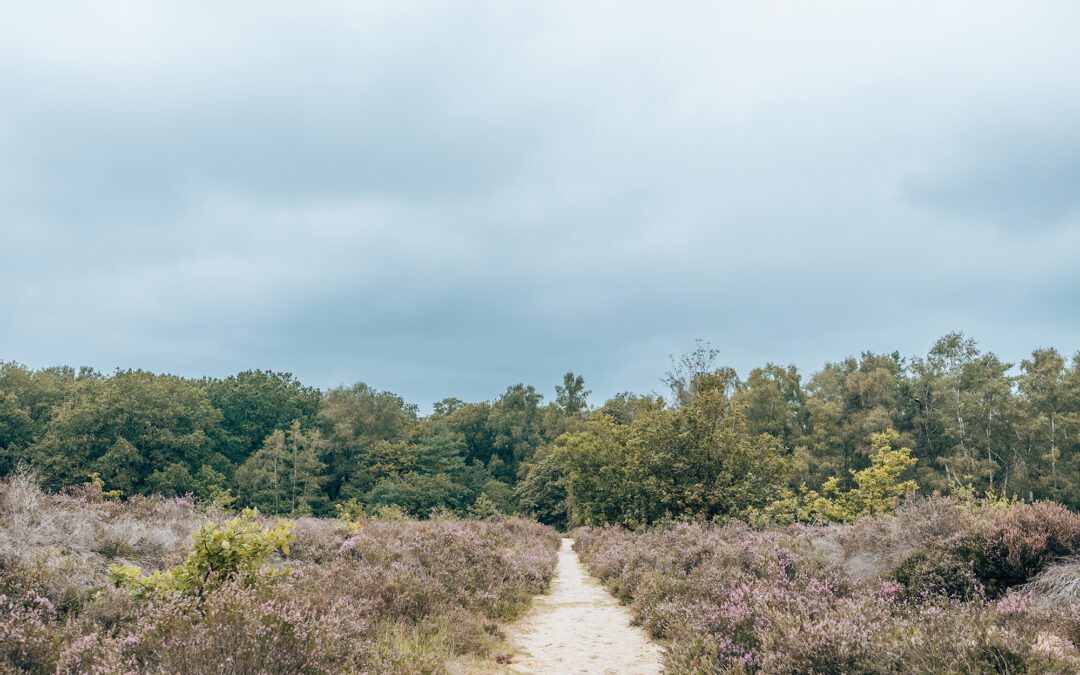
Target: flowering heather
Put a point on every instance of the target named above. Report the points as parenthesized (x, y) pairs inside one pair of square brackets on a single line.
[(939, 587), (402, 596)]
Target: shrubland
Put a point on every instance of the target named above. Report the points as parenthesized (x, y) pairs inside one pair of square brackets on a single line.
[(164, 584), (944, 584)]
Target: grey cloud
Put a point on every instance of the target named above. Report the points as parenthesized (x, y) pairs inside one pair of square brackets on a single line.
[(1021, 176), (447, 198)]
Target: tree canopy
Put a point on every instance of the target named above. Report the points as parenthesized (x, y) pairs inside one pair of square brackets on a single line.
[(723, 445)]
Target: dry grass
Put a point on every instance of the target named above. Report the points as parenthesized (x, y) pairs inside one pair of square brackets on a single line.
[(1058, 586)]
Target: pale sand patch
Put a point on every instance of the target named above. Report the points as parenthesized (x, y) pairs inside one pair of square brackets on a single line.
[(578, 627)]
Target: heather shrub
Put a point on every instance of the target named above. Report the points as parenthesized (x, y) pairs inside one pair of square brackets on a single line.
[(938, 572), (1021, 541), (905, 592), (364, 596), (28, 632)]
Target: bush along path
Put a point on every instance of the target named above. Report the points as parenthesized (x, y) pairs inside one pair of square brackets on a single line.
[(578, 627)]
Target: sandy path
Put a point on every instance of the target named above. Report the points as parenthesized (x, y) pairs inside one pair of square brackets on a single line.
[(578, 627)]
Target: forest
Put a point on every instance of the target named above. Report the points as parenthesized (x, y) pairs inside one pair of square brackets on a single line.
[(714, 444)]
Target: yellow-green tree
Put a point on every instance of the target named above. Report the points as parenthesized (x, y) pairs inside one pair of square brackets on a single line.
[(877, 488)]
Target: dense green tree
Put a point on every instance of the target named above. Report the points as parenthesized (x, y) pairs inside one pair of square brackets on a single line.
[(28, 399), (517, 422), (172, 480), (714, 449), (571, 396), (501, 495), (962, 418), (623, 408), (471, 420), (418, 494), (168, 419), (593, 467), (846, 404), (700, 460), (774, 403), (353, 420), (541, 493), (1050, 425), (121, 466), (256, 402)]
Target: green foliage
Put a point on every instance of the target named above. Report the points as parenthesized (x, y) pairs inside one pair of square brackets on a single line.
[(351, 513), (517, 425), (938, 572), (168, 419), (94, 490), (389, 512), (353, 421), (698, 460), (237, 550), (721, 442), (418, 494), (571, 395), (254, 404), (877, 489), (483, 507), (542, 492), (625, 407), (287, 474)]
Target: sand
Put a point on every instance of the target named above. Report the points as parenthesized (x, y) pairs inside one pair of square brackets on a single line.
[(578, 627)]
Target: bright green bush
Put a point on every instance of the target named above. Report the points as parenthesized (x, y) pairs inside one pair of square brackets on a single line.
[(877, 490), (236, 550)]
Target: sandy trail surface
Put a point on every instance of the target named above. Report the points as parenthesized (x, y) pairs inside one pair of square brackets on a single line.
[(578, 627)]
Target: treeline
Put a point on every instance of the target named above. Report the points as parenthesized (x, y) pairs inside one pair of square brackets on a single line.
[(718, 445), (264, 439)]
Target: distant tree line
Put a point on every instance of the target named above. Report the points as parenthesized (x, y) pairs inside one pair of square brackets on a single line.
[(717, 446)]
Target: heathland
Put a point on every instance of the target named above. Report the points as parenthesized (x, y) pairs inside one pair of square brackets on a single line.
[(884, 514)]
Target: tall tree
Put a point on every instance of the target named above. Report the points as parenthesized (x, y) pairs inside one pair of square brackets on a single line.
[(519, 430), (256, 402), (1050, 423), (168, 419), (571, 396), (286, 475), (773, 402), (353, 420)]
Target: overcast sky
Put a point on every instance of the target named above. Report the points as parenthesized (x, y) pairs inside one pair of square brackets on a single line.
[(445, 198)]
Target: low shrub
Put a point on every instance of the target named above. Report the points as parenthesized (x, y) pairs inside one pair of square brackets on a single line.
[(1021, 541), (934, 572), (234, 551), (363, 595), (931, 588)]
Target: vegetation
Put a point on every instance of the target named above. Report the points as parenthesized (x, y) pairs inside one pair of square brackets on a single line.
[(942, 585), (721, 446), (753, 524), (877, 489), (363, 595), (232, 552)]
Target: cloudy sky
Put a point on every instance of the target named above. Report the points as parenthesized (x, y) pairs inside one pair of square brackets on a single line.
[(449, 197)]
